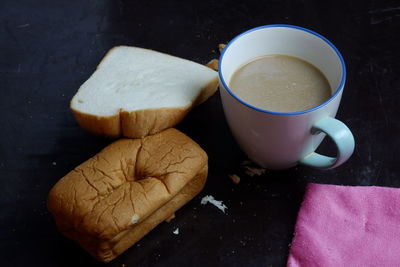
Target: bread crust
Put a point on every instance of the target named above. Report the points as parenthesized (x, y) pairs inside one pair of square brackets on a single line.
[(115, 198), (149, 121), (140, 123)]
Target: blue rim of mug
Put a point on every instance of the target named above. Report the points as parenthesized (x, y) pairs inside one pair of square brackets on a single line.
[(338, 90)]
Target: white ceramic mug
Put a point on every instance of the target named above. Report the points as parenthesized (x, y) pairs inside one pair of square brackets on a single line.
[(277, 140)]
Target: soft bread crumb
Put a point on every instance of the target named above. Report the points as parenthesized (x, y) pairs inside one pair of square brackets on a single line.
[(234, 178), (176, 232), (170, 218), (213, 64), (221, 47), (216, 203), (135, 218)]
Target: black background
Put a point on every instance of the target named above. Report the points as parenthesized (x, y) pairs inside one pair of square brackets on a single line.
[(49, 48)]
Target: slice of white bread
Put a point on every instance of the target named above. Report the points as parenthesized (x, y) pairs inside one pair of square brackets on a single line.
[(136, 92)]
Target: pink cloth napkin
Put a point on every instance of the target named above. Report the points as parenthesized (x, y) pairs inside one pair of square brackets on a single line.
[(347, 226)]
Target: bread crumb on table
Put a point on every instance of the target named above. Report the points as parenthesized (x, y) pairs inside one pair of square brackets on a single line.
[(216, 203), (213, 64), (221, 47), (251, 171), (235, 178), (176, 231)]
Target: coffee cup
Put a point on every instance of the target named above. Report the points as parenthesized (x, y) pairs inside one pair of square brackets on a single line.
[(280, 140)]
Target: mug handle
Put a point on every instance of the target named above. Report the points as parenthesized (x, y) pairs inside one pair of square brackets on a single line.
[(341, 136)]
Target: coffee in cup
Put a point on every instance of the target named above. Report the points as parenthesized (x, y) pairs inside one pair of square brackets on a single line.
[(280, 83)]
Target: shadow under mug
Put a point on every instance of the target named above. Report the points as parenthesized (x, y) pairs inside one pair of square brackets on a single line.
[(277, 140)]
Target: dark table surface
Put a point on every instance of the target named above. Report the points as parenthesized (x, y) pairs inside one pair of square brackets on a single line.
[(48, 48)]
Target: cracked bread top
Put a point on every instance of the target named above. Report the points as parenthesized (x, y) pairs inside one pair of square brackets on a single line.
[(125, 183)]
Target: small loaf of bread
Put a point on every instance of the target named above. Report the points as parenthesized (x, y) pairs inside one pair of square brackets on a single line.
[(116, 197), (136, 92)]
